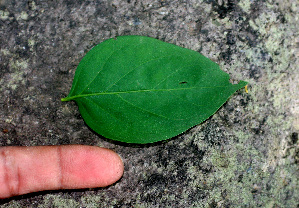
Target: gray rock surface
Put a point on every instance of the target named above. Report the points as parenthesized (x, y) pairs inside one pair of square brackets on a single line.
[(246, 155)]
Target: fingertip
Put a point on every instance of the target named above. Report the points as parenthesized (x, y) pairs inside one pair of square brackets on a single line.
[(119, 166), (115, 166), (90, 167)]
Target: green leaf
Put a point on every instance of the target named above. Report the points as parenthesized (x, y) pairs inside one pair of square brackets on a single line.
[(138, 89)]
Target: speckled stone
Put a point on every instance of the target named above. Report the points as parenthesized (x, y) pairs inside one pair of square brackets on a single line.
[(246, 155)]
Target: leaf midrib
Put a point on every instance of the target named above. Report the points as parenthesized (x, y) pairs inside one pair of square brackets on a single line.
[(124, 92)]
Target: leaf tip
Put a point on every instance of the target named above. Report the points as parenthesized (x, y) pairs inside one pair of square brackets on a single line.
[(243, 83)]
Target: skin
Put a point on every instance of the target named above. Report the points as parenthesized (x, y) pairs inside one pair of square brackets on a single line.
[(31, 169)]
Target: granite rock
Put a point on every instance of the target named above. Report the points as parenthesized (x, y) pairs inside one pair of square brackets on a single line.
[(245, 155)]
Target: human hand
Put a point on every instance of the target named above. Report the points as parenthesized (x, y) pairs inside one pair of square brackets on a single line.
[(31, 169)]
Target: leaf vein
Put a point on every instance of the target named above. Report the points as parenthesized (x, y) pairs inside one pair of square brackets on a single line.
[(155, 59), (102, 68), (112, 115), (147, 111)]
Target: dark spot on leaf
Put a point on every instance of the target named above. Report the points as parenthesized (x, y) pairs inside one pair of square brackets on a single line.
[(183, 83)]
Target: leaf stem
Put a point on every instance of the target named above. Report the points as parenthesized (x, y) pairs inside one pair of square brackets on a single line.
[(66, 99)]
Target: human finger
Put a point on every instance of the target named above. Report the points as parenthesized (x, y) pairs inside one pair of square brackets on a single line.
[(30, 169)]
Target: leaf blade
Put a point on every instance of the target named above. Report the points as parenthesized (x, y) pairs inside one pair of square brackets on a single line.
[(137, 89)]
